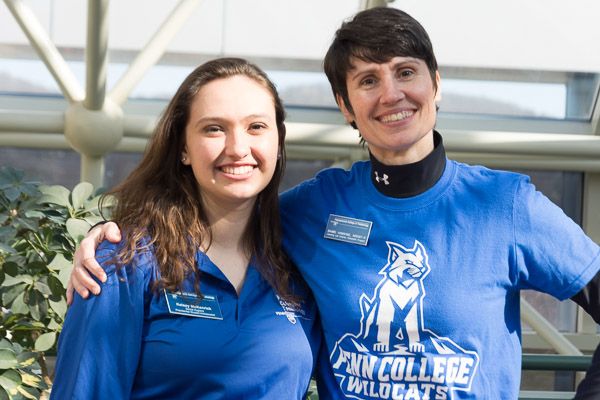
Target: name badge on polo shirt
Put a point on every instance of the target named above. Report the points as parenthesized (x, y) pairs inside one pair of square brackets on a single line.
[(190, 305), (348, 229)]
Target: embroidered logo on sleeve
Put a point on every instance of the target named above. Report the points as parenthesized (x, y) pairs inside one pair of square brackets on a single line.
[(393, 356)]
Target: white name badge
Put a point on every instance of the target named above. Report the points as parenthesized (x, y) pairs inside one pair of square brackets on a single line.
[(348, 229), (190, 305)]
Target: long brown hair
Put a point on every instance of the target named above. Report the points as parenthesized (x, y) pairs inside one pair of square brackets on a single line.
[(159, 204)]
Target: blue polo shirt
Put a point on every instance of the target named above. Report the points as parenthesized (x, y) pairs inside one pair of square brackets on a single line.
[(128, 344)]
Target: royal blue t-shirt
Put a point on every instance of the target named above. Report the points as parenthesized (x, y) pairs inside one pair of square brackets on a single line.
[(419, 297), (129, 343)]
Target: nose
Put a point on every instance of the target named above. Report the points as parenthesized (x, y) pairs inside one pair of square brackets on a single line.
[(237, 144), (391, 90)]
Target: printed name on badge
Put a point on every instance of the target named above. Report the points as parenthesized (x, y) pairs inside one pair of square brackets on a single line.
[(348, 229), (188, 304)]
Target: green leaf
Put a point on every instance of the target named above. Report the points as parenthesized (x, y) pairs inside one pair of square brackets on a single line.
[(12, 193), (26, 359), (42, 286), (64, 275), (7, 233), (7, 248), (27, 223), (11, 268), (17, 348), (77, 228), (59, 307), (80, 194), (12, 318), (5, 344), (5, 180), (24, 278), (13, 175), (11, 294), (28, 189), (34, 214), (10, 379), (4, 394), (54, 325), (28, 392), (59, 262), (55, 195), (18, 306), (38, 305), (45, 341), (8, 359), (93, 220), (93, 204), (36, 267), (56, 287), (10, 280), (57, 218), (33, 380), (29, 326)]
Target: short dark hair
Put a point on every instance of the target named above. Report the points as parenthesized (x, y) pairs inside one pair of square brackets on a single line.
[(376, 35)]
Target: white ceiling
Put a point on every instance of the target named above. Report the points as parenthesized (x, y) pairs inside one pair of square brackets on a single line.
[(513, 34)]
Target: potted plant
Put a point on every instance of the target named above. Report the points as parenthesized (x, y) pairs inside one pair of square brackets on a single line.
[(40, 228)]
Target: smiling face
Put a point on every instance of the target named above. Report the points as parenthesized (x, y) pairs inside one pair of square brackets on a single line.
[(394, 107), (231, 141)]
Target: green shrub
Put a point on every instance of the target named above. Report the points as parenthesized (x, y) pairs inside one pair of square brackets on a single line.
[(40, 228)]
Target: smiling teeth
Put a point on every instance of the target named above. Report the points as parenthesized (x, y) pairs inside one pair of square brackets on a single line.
[(397, 117), (237, 170)]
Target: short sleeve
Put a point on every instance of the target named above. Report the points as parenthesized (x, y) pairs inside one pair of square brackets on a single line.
[(99, 346), (553, 254)]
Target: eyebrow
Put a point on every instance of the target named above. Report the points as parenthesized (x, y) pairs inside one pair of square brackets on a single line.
[(218, 119), (370, 70)]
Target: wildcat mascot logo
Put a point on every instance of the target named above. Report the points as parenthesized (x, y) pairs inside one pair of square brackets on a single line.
[(394, 356)]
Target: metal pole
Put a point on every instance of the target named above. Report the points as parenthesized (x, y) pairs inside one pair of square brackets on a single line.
[(547, 331), (92, 170), (41, 43), (28, 121), (96, 54), (153, 50)]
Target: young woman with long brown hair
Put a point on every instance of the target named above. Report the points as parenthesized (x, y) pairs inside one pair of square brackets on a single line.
[(201, 301)]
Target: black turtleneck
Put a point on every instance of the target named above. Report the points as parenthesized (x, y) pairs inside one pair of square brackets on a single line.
[(402, 181)]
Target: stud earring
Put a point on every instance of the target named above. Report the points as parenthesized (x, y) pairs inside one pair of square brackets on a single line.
[(278, 156), (183, 159)]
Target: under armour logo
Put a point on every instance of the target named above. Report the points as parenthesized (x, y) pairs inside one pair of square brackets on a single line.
[(384, 179)]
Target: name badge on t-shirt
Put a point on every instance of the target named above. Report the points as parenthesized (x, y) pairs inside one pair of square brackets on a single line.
[(190, 305), (348, 229)]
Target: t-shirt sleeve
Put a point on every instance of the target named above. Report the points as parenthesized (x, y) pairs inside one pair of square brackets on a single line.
[(292, 206), (99, 346), (289, 200), (553, 254)]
